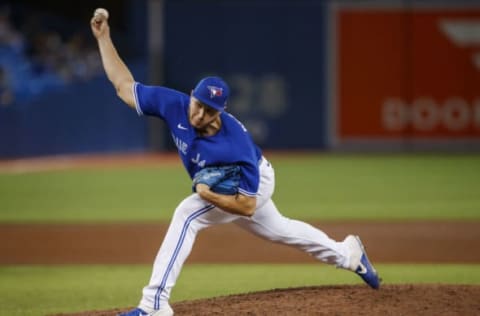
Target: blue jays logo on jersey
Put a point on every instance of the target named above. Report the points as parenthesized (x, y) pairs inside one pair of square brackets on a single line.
[(181, 145), (197, 161), (215, 91)]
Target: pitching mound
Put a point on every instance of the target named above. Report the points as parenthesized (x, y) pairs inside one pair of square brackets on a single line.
[(337, 300)]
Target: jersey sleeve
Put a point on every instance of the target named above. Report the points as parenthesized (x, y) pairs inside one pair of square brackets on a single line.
[(155, 100), (250, 180)]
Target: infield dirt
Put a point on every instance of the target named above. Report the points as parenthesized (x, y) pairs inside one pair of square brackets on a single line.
[(393, 242), (434, 300)]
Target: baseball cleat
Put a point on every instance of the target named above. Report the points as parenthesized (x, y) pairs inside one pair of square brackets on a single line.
[(135, 312), (166, 311), (359, 262)]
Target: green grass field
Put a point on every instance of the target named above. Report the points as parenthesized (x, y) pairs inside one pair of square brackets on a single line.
[(309, 187)]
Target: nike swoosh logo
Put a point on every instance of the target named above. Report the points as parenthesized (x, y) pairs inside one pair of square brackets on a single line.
[(361, 269), (180, 126)]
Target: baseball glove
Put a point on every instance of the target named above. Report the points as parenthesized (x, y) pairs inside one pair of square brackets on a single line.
[(220, 179)]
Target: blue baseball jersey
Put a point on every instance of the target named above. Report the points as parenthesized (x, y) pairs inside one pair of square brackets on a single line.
[(232, 144)]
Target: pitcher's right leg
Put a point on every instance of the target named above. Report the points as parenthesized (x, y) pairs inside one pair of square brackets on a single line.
[(348, 254), (268, 223)]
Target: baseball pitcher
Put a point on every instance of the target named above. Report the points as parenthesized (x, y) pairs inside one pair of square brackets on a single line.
[(232, 182)]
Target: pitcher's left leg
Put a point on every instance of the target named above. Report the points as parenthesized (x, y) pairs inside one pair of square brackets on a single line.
[(191, 216)]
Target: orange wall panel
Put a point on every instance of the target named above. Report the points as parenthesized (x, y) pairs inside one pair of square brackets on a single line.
[(406, 73)]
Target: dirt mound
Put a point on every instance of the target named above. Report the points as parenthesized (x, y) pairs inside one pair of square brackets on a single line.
[(425, 299)]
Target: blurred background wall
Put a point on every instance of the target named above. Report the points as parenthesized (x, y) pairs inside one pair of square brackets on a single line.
[(313, 75)]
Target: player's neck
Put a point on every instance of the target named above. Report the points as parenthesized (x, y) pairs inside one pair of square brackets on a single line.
[(212, 128)]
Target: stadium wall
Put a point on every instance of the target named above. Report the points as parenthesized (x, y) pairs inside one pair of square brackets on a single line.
[(305, 74)]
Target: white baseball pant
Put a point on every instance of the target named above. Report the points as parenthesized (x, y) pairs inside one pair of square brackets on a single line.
[(194, 214)]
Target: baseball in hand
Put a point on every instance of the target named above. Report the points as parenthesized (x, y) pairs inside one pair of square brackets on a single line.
[(100, 14)]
